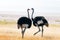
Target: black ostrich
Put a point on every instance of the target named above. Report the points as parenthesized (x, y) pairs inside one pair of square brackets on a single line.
[(39, 21), (24, 23)]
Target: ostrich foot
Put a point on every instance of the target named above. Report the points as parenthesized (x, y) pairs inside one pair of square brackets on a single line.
[(36, 32)]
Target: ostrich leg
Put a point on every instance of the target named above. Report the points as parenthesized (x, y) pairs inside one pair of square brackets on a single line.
[(23, 31), (37, 31), (42, 31)]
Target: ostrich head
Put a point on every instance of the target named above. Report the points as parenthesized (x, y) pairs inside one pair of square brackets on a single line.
[(32, 9), (28, 9)]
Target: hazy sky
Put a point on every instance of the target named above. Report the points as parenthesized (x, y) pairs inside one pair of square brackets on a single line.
[(45, 7)]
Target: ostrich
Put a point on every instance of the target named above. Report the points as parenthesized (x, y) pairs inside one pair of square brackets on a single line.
[(39, 21), (24, 23)]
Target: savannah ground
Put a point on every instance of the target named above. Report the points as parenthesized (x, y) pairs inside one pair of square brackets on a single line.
[(9, 31)]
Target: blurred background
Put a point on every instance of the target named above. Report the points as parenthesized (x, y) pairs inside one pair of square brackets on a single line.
[(12, 10)]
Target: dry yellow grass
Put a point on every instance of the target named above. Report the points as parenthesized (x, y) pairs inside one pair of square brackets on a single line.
[(11, 34), (5, 37), (54, 25)]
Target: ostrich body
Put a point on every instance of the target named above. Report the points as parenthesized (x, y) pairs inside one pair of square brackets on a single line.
[(39, 21), (24, 23)]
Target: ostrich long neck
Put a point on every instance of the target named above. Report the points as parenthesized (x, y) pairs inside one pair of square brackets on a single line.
[(32, 14), (28, 13)]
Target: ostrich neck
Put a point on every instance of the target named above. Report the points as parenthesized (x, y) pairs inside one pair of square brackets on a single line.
[(28, 15), (32, 14)]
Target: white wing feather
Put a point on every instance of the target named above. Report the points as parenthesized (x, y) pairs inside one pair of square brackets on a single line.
[(40, 22)]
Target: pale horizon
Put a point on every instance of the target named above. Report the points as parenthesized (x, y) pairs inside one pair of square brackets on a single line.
[(44, 7)]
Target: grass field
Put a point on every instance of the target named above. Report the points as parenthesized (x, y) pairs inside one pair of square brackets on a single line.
[(10, 32), (4, 37)]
